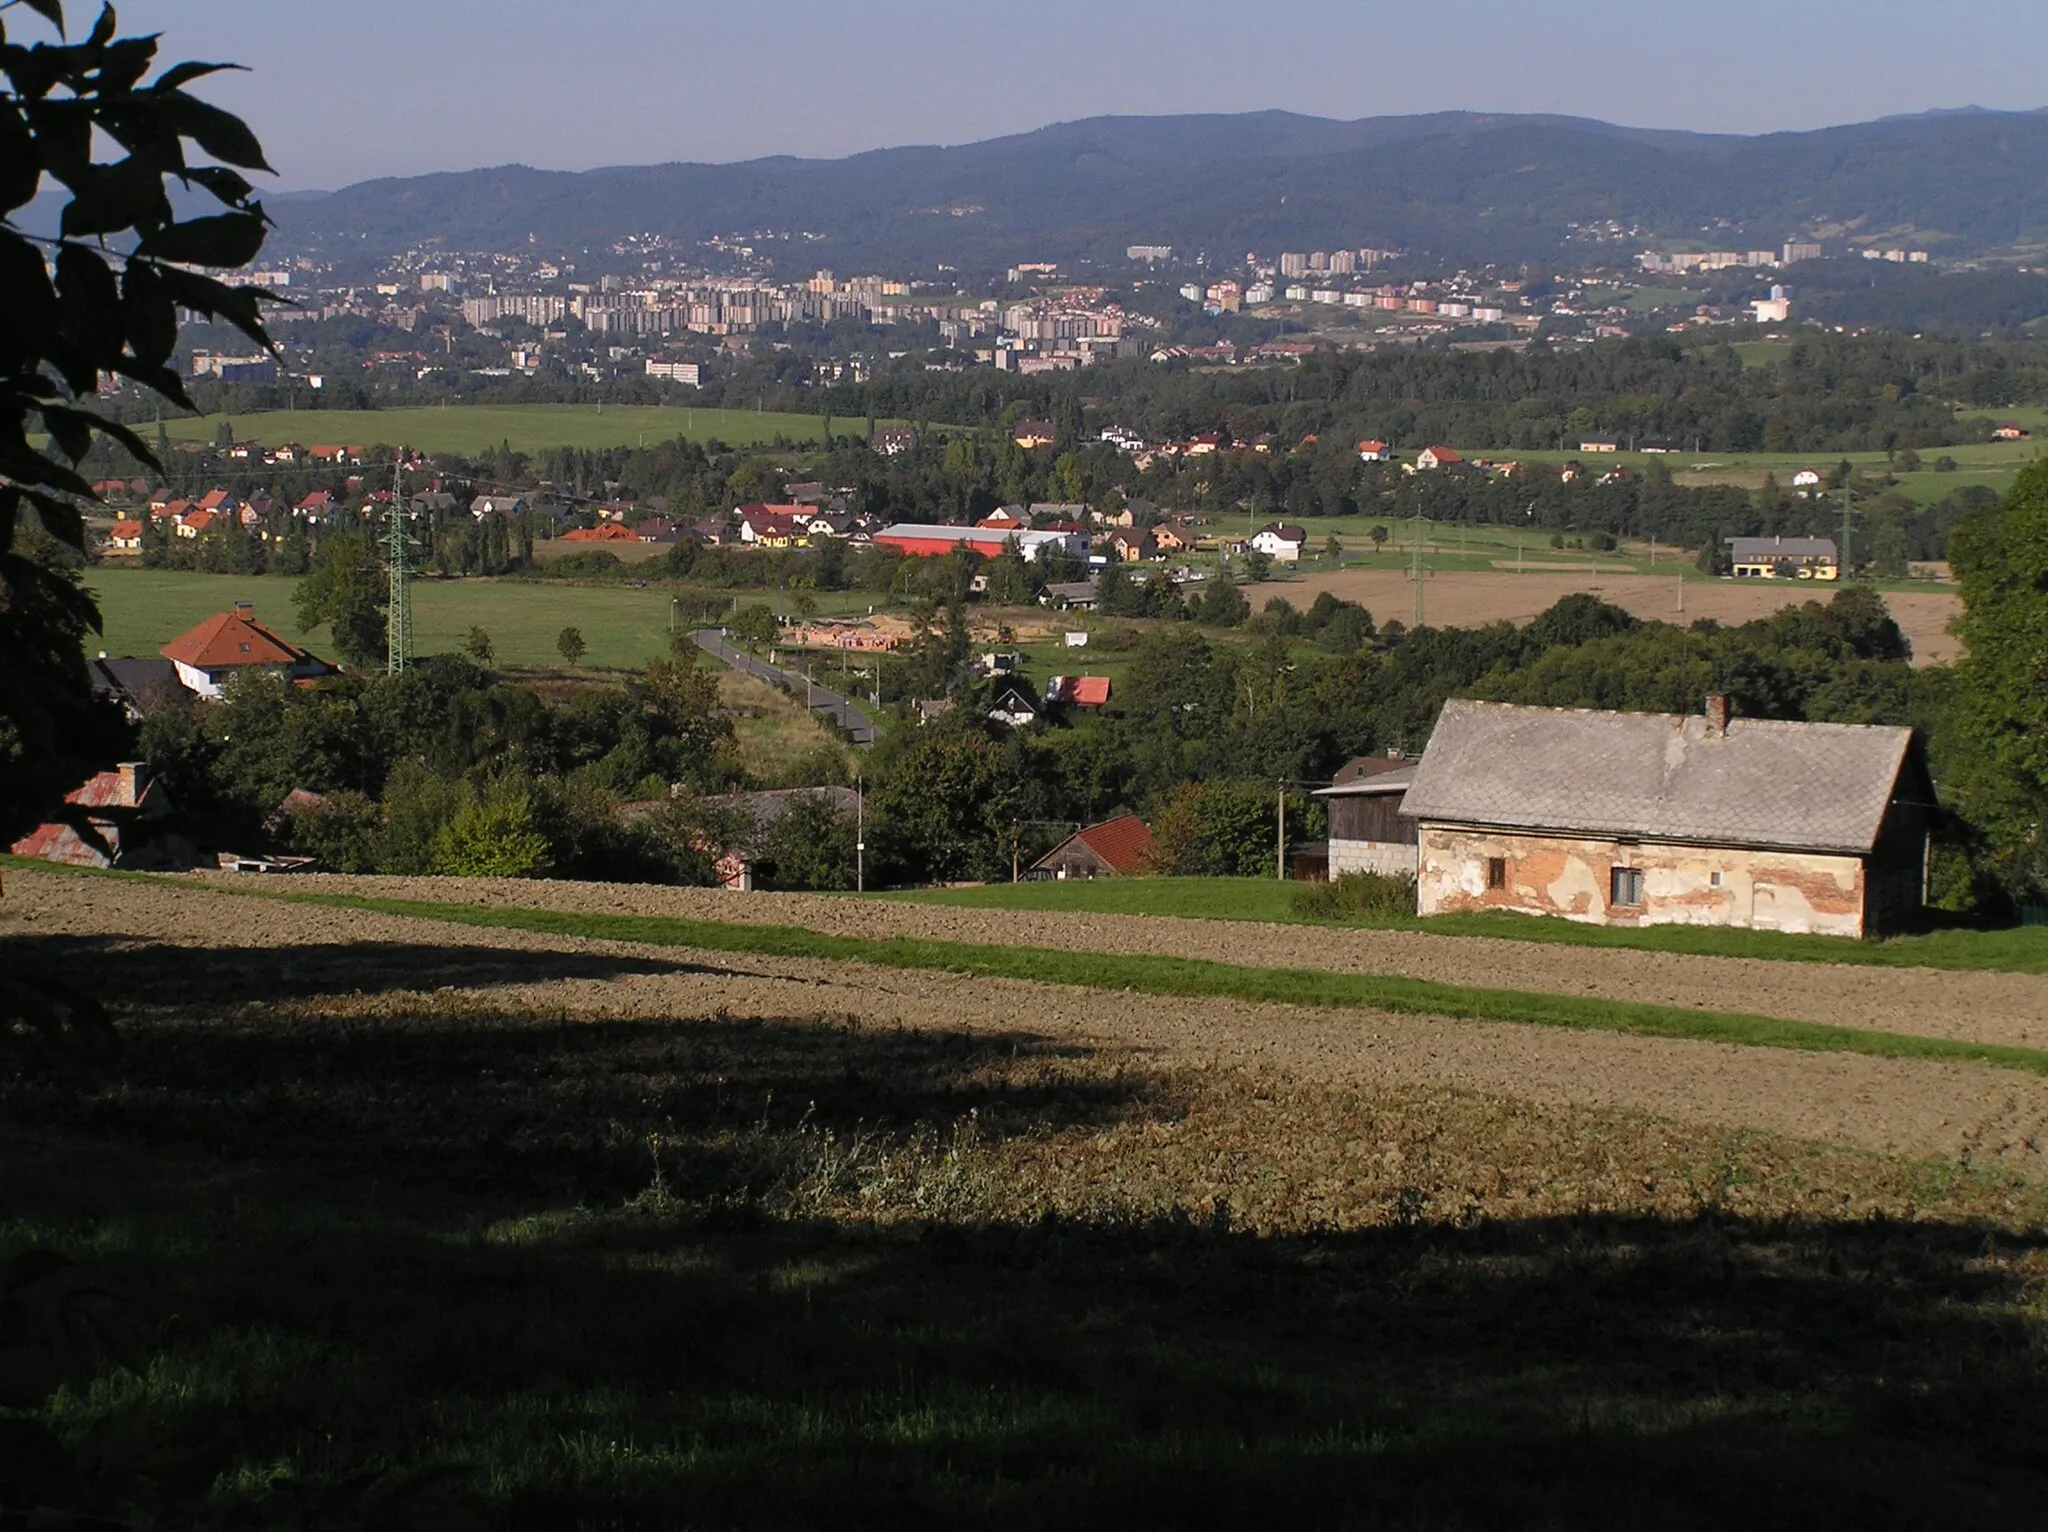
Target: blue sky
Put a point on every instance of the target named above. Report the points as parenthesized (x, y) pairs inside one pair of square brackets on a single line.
[(342, 90)]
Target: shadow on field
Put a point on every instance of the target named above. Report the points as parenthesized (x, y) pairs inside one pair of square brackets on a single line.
[(422, 1235), (140, 973)]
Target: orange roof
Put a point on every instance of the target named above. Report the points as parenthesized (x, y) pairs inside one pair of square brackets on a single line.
[(1445, 455), (607, 532), (213, 500), (126, 529), (228, 639), (198, 521), (1091, 691), (1124, 844)]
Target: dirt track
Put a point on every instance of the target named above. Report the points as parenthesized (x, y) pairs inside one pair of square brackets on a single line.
[(1983, 1007), (1914, 1108), (1471, 598)]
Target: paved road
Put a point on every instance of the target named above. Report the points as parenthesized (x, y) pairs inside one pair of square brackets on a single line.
[(831, 704)]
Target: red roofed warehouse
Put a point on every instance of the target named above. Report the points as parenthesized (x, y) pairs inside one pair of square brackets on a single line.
[(1116, 848), (228, 642)]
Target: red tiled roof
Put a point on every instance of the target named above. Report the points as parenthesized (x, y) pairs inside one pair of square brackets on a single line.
[(1445, 455), (1091, 691), (1125, 844), (608, 532), (228, 639), (127, 529)]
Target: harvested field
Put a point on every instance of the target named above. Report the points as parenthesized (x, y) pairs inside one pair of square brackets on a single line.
[(1472, 598), (642, 1237), (1982, 1007)]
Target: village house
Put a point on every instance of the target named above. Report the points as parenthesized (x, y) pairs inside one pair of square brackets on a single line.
[(1806, 481), (231, 642), (1035, 433), (1783, 558), (2009, 431), (774, 526), (1600, 444), (1374, 452), (1004, 518), (126, 537), (1013, 706), (893, 441), (1115, 848), (1131, 547), (1078, 691), (1170, 540), (1637, 819), (1280, 541), (126, 808), (1432, 458), (1367, 832), (483, 507)]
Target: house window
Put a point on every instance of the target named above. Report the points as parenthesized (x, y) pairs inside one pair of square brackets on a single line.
[(1714, 880), (1625, 886), (1496, 872)]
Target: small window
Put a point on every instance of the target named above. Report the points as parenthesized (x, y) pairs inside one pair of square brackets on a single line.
[(1496, 872), (1714, 880), (1625, 886)]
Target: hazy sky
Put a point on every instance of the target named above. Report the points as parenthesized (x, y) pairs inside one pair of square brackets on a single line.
[(343, 90)]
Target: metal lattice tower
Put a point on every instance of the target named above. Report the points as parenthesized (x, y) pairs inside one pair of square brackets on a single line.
[(398, 559), (1415, 571)]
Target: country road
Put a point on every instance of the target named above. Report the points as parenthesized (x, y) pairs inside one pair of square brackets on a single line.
[(830, 703)]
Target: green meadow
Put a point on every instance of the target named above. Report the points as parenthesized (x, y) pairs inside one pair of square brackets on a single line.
[(465, 430)]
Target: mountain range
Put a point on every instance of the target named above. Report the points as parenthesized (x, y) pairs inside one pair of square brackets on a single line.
[(1448, 187)]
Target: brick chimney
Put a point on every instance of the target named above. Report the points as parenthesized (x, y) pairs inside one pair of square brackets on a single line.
[(134, 779), (246, 610), (1717, 714)]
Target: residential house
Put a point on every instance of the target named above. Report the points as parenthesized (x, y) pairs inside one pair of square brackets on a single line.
[(1170, 539), (195, 523), (828, 524), (773, 526), (1280, 541), (126, 537), (1206, 445), (1806, 481), (1784, 558), (741, 867), (1367, 832), (139, 686), (1600, 444), (658, 529), (126, 809), (484, 507), (1078, 691), (230, 642), (2009, 431), (810, 492), (893, 441), (1070, 595), (316, 506), (1637, 819), (1115, 848), (1431, 458), (1013, 706), (1035, 433), (1005, 518), (1131, 547), (1055, 515), (1375, 452), (437, 505)]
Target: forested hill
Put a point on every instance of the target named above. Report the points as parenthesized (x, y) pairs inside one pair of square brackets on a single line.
[(1456, 186)]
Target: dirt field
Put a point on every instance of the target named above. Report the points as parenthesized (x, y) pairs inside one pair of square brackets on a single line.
[(1983, 1007), (1917, 1109), (1470, 598)]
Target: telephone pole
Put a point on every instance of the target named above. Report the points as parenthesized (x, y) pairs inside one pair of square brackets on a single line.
[(1280, 849), (1415, 571), (398, 555), (1845, 563)]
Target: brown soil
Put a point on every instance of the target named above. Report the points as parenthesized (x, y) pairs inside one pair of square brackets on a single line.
[(1913, 1108), (1982, 1007), (1472, 598)]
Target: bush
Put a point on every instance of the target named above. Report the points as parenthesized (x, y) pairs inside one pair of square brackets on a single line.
[(492, 837), (1355, 896)]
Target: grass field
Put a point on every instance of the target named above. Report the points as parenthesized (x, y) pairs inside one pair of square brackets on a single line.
[(2020, 950), (624, 627), (615, 1240), (465, 430)]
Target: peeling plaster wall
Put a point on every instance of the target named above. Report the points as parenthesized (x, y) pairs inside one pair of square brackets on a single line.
[(1390, 858), (1556, 875)]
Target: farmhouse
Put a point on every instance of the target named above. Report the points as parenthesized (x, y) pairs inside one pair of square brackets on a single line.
[(1430, 458), (1116, 848), (1636, 819), (126, 809), (1600, 444), (228, 643), (2009, 431), (1784, 558), (1281, 541), (1373, 452), (1367, 832), (1035, 433)]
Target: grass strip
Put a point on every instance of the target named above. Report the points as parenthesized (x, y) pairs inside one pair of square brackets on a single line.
[(2017, 950), (1202, 978)]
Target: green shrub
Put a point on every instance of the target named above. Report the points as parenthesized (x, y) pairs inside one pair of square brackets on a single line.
[(1355, 896)]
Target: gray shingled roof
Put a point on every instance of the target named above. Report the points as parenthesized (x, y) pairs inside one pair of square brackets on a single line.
[(1659, 776), (1760, 550)]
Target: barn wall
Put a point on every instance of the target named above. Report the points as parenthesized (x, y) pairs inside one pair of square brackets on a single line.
[(1395, 859), (1555, 875)]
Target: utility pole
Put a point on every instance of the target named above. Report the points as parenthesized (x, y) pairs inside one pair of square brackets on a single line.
[(1280, 848), (1846, 563), (860, 833), (398, 620), (1415, 571)]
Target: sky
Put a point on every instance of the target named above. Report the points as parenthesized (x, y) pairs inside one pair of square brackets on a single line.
[(346, 90)]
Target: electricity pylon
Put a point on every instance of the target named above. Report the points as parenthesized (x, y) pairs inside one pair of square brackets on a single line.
[(398, 559)]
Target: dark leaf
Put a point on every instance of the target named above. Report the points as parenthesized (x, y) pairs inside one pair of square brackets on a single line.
[(34, 1466), (225, 184), (64, 523), (63, 133), (89, 305), (240, 306), (70, 431), (28, 304), (20, 175), (125, 62), (221, 134), (149, 313), (186, 73), (126, 195), (51, 11), (225, 239), (102, 28)]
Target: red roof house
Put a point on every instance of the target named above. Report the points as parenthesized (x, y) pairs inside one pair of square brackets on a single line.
[(603, 532), (1115, 848), (122, 806), (230, 642)]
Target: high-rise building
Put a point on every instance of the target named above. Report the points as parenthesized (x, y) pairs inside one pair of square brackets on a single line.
[(1293, 264)]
